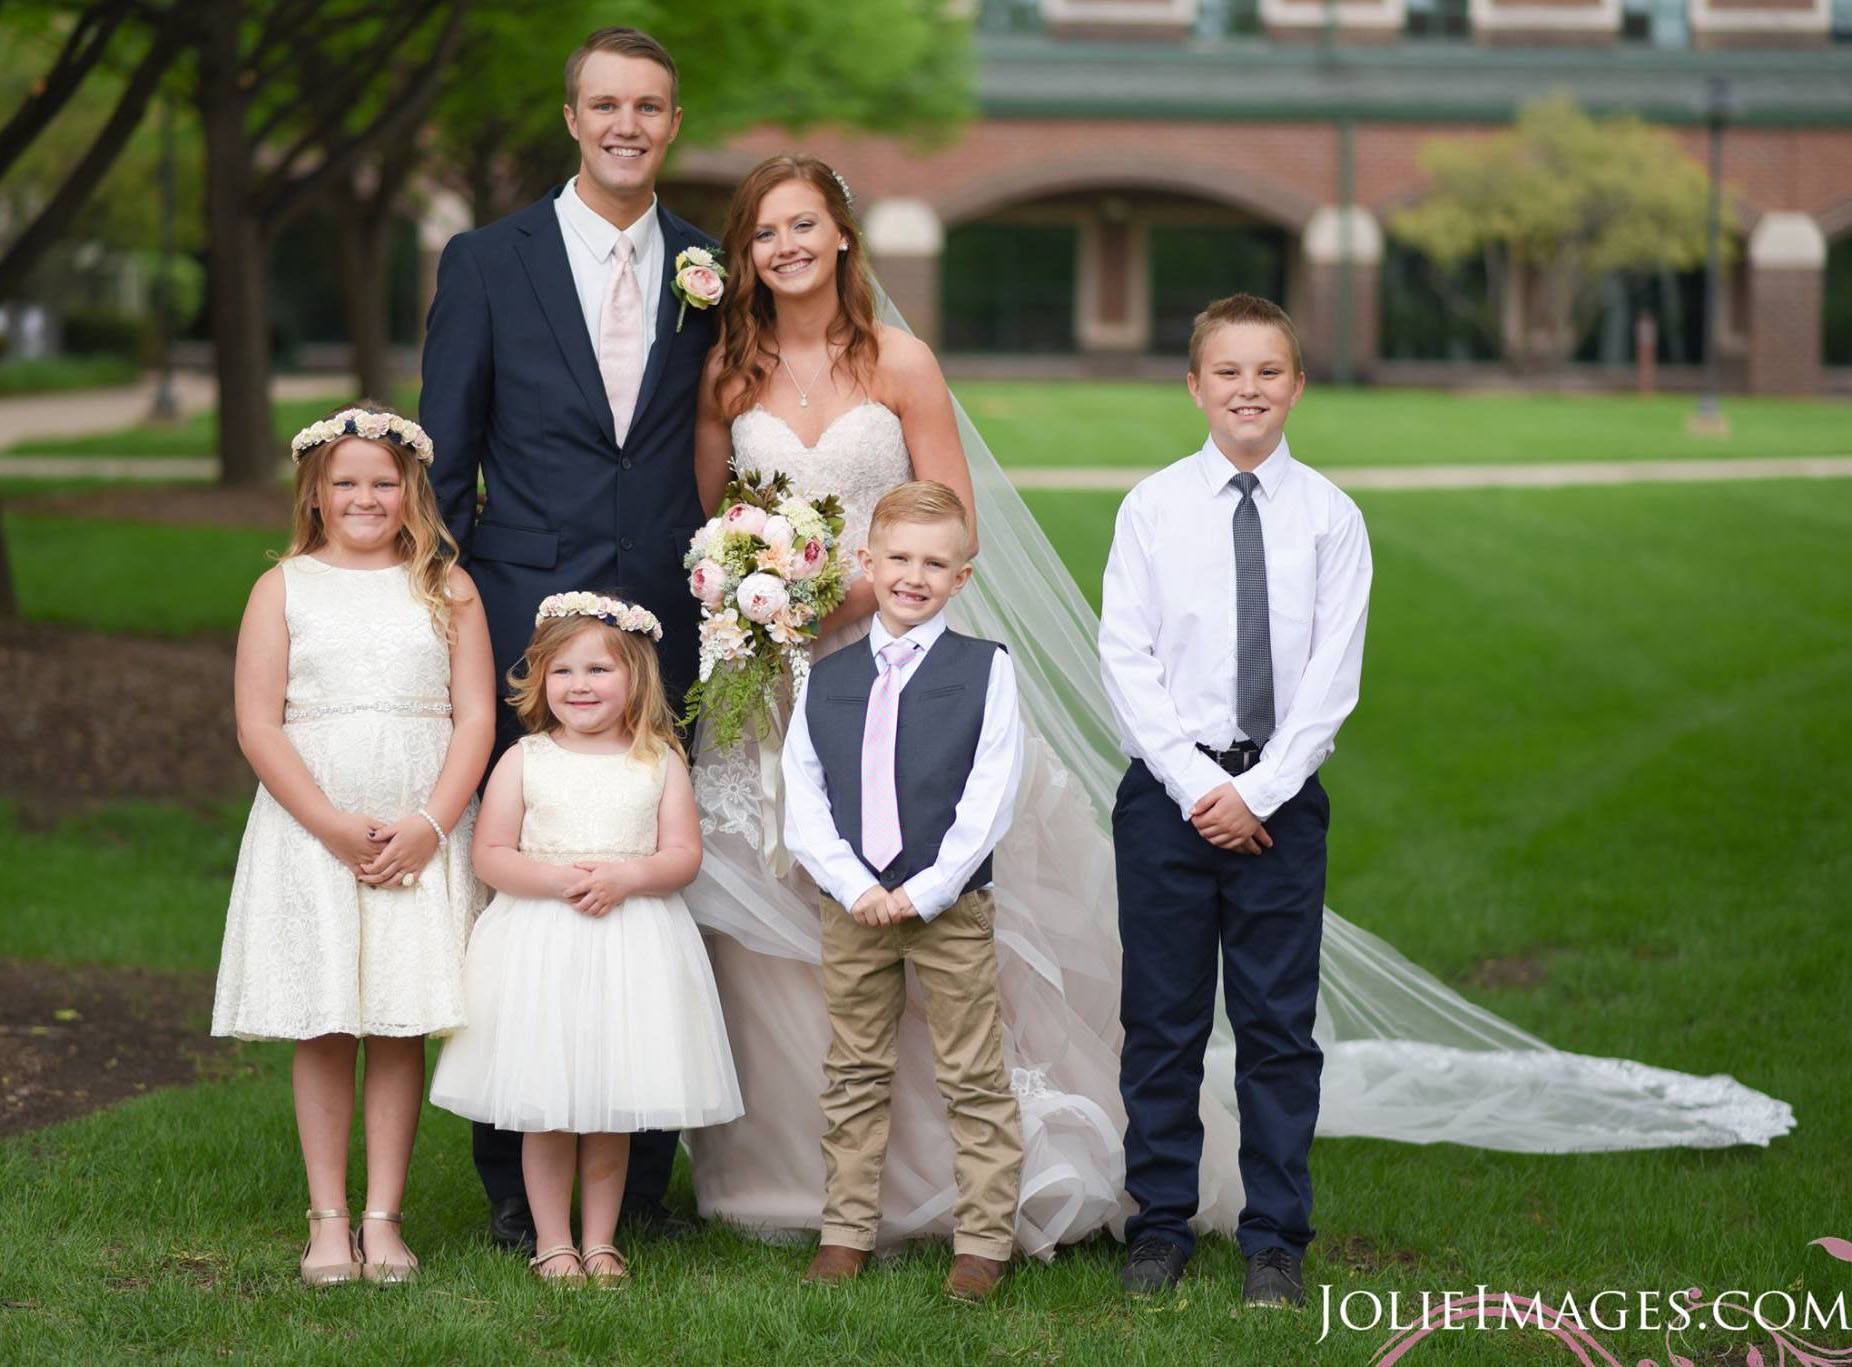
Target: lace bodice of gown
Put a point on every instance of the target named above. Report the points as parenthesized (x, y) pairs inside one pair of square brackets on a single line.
[(582, 806), (859, 457), (358, 639)]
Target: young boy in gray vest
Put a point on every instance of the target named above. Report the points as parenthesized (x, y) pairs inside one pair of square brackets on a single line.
[(901, 767)]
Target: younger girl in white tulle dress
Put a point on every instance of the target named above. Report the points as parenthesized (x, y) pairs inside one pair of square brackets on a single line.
[(365, 701), (592, 1009)]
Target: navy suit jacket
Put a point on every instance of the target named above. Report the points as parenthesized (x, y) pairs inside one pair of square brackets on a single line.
[(512, 394)]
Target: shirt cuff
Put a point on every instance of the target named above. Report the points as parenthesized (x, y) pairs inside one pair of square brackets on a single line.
[(926, 890), (1258, 790), (860, 893), (1203, 777)]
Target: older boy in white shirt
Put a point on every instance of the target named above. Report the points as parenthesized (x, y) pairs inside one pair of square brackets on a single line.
[(1231, 641)]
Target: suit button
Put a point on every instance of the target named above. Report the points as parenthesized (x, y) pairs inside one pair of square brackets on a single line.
[(627, 544), (626, 462)]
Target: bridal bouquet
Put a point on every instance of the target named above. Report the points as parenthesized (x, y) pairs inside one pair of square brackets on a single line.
[(766, 571)]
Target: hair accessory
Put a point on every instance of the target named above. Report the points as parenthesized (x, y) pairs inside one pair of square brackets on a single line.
[(613, 612), (363, 422), (847, 193)]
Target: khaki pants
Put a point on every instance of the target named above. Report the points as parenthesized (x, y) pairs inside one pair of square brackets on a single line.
[(864, 981)]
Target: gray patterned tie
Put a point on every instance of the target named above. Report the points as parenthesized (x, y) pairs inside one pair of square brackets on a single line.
[(1253, 641)]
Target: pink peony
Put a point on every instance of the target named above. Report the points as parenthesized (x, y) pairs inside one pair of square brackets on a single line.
[(701, 284), (810, 561), (762, 597), (707, 581), (743, 517)]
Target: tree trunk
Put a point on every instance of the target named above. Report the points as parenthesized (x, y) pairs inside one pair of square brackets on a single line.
[(364, 253), (236, 247), (9, 602)]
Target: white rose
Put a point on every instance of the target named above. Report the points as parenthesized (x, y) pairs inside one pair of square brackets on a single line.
[(762, 596)]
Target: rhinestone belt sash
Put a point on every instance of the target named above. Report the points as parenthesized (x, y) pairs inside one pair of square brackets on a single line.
[(317, 711)]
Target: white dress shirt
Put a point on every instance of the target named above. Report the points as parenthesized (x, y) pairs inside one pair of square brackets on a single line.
[(591, 241), (983, 812), (1167, 622)]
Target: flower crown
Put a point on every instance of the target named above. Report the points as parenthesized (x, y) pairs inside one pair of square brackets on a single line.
[(613, 612), (363, 422)]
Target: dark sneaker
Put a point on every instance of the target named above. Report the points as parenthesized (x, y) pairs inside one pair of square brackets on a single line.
[(1154, 1265), (511, 1225), (1274, 1280)]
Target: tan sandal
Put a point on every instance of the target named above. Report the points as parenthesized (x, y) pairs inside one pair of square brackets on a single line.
[(329, 1274), (546, 1255), (605, 1280), (384, 1273)]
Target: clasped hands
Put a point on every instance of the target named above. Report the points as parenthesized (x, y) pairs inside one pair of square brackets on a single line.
[(880, 907), (594, 889), (1222, 818), (379, 853)]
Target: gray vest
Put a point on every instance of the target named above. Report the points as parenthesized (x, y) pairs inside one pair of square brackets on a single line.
[(935, 741)]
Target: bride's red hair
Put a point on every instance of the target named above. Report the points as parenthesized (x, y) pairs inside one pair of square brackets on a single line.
[(748, 354)]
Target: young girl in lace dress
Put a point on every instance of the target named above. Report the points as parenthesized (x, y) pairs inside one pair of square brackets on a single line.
[(365, 702), (592, 1009)]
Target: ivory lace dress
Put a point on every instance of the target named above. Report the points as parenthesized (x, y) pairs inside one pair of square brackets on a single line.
[(310, 950)]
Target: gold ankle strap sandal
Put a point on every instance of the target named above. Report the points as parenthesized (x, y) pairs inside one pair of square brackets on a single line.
[(605, 1280), (385, 1273), (329, 1274), (576, 1277)]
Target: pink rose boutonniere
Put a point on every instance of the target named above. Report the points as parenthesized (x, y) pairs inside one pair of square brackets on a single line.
[(700, 280)]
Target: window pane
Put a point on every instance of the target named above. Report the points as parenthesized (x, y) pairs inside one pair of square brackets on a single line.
[(1192, 266), (1009, 287)]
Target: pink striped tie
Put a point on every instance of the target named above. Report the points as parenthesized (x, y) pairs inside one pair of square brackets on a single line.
[(620, 340), (880, 807)]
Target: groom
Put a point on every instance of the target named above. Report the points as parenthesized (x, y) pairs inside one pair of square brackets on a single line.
[(560, 371)]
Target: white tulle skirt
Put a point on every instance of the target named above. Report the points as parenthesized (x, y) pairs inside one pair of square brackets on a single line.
[(588, 1025)]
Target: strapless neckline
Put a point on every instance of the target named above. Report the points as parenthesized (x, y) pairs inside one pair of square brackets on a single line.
[(828, 427)]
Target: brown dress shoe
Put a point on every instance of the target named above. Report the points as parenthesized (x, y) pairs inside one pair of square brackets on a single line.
[(833, 1264), (974, 1278)]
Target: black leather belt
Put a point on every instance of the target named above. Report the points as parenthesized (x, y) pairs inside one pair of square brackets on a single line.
[(1237, 759)]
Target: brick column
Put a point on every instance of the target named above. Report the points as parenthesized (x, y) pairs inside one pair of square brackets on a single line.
[(1787, 281), (1112, 306), (905, 243), (1330, 235)]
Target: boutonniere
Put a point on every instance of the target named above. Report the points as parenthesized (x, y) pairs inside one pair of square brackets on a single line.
[(699, 280)]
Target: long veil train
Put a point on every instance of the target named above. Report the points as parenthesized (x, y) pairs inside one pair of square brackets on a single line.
[(1406, 1057)]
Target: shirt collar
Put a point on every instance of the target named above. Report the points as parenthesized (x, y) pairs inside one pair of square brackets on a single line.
[(1219, 473), (599, 233), (923, 635)]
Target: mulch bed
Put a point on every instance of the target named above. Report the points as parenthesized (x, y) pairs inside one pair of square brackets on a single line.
[(91, 717), (183, 505), (73, 1040)]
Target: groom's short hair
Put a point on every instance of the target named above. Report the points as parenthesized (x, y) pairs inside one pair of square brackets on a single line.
[(1242, 308), (626, 42)]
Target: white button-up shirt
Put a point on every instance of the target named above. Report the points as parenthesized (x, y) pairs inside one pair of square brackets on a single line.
[(591, 241), (1167, 622), (982, 815)]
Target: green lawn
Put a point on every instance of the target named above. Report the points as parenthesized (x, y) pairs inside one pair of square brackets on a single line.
[(1141, 423), (62, 373), (1600, 729)]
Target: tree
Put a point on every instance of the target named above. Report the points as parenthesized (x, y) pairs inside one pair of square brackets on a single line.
[(1556, 203)]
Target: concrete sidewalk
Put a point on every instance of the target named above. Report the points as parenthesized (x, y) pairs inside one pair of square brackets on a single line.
[(1117, 479), (84, 412)]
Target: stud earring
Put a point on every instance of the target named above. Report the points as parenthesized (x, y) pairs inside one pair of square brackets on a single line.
[(842, 246)]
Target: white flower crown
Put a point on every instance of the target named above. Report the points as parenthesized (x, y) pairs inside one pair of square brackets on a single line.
[(363, 422), (611, 611)]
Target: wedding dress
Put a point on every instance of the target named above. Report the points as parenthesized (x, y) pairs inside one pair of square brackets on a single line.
[(1405, 1056)]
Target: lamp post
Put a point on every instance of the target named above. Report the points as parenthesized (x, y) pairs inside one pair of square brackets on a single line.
[(1717, 110), (165, 408)]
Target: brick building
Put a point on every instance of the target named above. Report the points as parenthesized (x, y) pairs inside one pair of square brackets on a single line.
[(1134, 156)]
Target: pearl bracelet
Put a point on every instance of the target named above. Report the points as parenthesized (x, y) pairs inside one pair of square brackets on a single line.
[(442, 838)]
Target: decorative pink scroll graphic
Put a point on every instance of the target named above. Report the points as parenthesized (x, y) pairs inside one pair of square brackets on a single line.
[(1533, 1313)]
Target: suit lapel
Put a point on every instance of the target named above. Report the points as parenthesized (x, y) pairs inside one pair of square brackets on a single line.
[(674, 240), (543, 255)]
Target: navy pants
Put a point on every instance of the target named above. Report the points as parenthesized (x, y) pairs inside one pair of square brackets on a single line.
[(1187, 909)]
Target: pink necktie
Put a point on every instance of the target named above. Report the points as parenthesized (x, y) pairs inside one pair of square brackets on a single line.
[(880, 807), (620, 340)]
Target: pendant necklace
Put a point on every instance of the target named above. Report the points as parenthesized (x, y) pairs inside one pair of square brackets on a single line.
[(803, 391)]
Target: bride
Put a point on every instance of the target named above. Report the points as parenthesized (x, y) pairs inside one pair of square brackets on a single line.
[(808, 380)]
